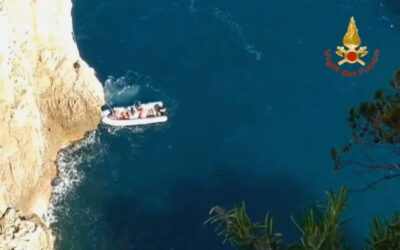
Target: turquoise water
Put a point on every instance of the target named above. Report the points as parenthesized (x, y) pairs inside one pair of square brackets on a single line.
[(254, 113)]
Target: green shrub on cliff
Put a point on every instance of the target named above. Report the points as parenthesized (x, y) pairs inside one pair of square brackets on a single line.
[(385, 235), (321, 228), (375, 127), (237, 229)]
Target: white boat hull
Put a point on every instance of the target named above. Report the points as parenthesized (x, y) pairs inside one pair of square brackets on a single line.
[(132, 122)]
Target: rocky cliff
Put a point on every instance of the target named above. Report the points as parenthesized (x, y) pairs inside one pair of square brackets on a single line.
[(48, 97)]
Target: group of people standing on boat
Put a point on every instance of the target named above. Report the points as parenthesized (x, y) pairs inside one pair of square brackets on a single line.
[(137, 112)]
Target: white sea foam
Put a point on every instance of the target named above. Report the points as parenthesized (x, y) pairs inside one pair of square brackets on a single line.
[(226, 17), (69, 175), (128, 88), (122, 89), (115, 130)]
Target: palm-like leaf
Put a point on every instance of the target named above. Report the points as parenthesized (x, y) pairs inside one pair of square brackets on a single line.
[(237, 228), (321, 227), (385, 235)]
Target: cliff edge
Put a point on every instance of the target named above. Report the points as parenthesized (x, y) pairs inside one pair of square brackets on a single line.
[(48, 97)]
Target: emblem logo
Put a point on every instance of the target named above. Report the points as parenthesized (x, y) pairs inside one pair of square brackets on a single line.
[(351, 53), (352, 40)]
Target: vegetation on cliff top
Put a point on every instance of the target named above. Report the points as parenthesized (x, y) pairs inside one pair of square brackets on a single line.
[(375, 129), (321, 228)]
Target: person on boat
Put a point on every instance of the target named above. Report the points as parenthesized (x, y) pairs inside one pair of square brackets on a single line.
[(124, 115), (112, 112), (142, 112), (115, 114), (156, 110), (134, 112), (162, 111), (128, 115), (137, 105), (159, 110)]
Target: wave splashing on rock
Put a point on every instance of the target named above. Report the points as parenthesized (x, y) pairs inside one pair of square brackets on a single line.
[(81, 153)]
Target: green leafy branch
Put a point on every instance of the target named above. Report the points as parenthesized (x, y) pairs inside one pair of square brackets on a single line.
[(321, 228), (237, 229)]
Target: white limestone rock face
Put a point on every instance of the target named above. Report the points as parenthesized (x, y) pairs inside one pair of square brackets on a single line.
[(19, 233), (45, 103)]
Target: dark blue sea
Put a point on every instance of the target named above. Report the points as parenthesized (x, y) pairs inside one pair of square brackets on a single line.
[(253, 114)]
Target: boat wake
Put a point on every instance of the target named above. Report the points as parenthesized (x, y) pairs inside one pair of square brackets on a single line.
[(133, 86), (70, 175), (226, 17), (114, 130), (123, 89)]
